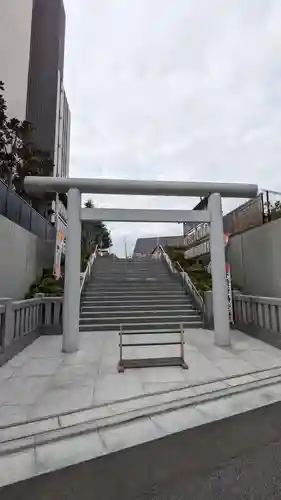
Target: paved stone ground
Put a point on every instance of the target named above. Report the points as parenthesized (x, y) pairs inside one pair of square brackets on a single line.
[(230, 459), (42, 380)]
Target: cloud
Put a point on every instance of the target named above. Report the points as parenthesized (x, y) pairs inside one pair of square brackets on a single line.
[(182, 90)]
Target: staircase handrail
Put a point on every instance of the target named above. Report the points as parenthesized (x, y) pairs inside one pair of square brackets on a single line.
[(84, 276), (167, 259), (185, 278), (191, 287)]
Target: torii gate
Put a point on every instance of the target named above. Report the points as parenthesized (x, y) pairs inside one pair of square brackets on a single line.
[(213, 215)]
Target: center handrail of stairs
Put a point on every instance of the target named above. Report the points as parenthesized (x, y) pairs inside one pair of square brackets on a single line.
[(191, 287), (185, 279), (85, 276)]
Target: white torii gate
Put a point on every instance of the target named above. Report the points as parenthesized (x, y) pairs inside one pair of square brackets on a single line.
[(213, 214)]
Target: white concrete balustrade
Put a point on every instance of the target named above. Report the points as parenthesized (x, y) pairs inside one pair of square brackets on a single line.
[(261, 312), (22, 320)]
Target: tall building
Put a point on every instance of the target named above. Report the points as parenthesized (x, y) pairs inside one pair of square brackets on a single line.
[(32, 39)]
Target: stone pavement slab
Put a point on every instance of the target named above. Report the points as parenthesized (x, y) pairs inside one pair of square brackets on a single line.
[(43, 381)]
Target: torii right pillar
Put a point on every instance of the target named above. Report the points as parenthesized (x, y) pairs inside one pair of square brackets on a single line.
[(218, 266)]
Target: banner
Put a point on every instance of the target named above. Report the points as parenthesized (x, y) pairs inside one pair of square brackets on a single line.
[(58, 253), (229, 293)]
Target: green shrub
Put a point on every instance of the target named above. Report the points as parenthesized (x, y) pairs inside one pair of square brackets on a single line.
[(194, 267), (47, 285)]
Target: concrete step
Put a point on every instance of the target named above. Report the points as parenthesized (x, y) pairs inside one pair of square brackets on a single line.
[(131, 292), (54, 438), (151, 327), (154, 301), (148, 273), (137, 323), (128, 308), (134, 289), (148, 332), (138, 298), (134, 284), (137, 304), (134, 298), (136, 314)]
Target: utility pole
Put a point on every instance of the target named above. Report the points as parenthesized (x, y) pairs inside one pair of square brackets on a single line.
[(125, 246)]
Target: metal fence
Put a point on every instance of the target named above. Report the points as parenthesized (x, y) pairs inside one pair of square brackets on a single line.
[(19, 211), (272, 205), (260, 312), (24, 319)]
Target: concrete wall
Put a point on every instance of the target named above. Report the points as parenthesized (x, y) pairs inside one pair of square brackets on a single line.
[(255, 259), (23, 256), (15, 36)]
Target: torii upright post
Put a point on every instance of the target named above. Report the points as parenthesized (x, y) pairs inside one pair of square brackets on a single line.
[(71, 303), (220, 300)]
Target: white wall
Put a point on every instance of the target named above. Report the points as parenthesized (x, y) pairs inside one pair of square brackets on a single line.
[(23, 257), (255, 260), (15, 34)]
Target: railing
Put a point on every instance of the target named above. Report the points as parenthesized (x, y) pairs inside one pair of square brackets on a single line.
[(84, 277), (261, 312), (20, 320), (187, 282), (247, 216), (167, 259), (16, 209)]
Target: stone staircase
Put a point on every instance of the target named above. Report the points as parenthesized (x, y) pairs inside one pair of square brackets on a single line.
[(140, 294)]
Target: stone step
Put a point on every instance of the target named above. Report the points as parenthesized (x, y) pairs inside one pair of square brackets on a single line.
[(148, 332), (132, 284), (147, 306), (133, 315), (147, 298), (134, 298), (32, 448), (148, 273), (152, 326), (133, 293)]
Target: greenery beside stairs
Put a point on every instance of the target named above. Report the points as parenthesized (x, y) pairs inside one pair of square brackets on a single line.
[(201, 279), (47, 285)]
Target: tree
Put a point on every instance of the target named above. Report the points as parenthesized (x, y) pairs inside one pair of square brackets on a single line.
[(94, 233), (89, 204), (276, 210), (19, 156)]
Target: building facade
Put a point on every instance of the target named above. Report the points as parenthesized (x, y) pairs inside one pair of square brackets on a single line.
[(32, 40)]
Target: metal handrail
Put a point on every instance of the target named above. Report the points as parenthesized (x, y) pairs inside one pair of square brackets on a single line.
[(84, 276), (167, 259), (185, 277)]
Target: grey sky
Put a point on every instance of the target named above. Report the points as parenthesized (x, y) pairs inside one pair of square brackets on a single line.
[(180, 90)]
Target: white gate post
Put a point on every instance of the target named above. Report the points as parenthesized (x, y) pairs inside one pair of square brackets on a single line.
[(220, 300), (71, 304)]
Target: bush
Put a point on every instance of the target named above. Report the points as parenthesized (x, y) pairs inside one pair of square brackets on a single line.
[(47, 285), (201, 279)]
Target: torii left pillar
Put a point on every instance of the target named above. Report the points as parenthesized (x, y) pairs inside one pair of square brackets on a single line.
[(71, 304)]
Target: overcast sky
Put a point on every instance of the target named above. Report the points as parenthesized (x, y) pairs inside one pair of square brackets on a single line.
[(178, 90)]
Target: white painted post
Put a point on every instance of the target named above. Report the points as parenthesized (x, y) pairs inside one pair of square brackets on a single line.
[(220, 300), (71, 304)]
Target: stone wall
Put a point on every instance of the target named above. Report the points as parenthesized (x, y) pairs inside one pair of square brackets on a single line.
[(255, 259), (23, 256)]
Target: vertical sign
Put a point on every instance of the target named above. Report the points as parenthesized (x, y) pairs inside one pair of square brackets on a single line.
[(59, 245), (229, 293)]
